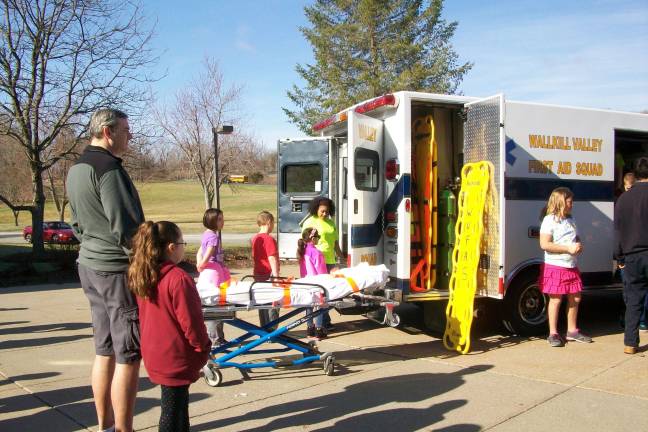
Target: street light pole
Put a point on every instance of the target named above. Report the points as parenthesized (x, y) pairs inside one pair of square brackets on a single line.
[(216, 199), (223, 130)]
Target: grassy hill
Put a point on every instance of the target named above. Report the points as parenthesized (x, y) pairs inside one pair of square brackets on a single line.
[(182, 202)]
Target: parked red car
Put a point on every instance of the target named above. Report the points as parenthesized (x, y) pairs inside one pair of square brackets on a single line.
[(53, 232)]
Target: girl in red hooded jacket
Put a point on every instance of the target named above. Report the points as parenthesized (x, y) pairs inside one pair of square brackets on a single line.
[(174, 341)]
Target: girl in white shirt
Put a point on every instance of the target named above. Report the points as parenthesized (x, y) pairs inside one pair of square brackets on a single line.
[(559, 274)]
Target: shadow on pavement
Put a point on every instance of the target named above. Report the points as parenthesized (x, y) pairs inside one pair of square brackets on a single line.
[(484, 337), (75, 403), (407, 389), (39, 342), (6, 323), (43, 328), (38, 287), (26, 377), (598, 315)]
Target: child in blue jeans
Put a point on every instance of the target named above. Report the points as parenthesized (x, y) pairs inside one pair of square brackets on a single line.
[(312, 263)]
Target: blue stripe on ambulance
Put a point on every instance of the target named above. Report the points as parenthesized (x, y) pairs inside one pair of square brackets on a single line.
[(368, 235)]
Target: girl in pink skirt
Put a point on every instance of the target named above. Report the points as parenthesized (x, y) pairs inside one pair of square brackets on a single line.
[(559, 274)]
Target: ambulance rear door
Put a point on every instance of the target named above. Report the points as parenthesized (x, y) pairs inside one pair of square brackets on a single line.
[(484, 141), (365, 189), (303, 174)]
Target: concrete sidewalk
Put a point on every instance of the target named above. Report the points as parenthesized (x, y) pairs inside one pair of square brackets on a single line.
[(388, 379)]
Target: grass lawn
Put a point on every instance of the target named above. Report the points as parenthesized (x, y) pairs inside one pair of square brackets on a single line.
[(182, 202)]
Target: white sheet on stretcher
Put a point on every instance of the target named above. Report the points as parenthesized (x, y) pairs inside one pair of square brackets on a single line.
[(359, 278)]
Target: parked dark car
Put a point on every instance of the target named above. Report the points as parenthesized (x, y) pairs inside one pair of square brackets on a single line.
[(53, 232)]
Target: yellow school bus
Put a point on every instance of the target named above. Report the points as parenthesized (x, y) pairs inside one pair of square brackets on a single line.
[(238, 178)]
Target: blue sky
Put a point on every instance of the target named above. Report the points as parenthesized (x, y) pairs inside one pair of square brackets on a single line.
[(587, 53)]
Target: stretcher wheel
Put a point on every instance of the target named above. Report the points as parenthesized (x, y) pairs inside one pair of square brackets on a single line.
[(213, 377), (329, 366), (395, 321)]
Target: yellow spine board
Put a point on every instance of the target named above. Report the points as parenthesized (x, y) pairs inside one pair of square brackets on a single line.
[(423, 276), (469, 229)]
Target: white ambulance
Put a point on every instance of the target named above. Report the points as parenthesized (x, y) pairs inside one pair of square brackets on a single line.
[(364, 158)]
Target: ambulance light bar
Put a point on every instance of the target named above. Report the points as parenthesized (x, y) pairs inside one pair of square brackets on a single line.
[(388, 99), (384, 100)]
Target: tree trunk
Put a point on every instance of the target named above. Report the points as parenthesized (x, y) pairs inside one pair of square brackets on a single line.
[(38, 212), (53, 192), (62, 210), (208, 199)]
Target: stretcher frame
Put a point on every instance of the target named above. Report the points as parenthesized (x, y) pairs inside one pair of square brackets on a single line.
[(221, 357)]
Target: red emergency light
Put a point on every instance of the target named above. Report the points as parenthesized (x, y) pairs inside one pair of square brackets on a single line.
[(392, 169), (388, 99), (381, 101)]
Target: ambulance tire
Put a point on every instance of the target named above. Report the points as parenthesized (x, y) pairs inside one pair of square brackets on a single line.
[(434, 315), (525, 307)]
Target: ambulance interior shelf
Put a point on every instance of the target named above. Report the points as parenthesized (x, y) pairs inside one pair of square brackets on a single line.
[(432, 223)]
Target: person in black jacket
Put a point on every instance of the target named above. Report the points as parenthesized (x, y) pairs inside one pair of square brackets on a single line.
[(106, 212), (631, 251)]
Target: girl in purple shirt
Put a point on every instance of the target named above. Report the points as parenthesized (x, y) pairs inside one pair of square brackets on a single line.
[(312, 263), (210, 264)]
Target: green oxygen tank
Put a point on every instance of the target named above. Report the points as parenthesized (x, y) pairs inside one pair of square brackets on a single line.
[(446, 236)]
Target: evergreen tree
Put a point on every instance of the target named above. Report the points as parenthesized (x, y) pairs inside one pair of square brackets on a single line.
[(366, 48)]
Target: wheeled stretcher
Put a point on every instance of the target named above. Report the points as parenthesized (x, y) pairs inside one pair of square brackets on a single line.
[(350, 291)]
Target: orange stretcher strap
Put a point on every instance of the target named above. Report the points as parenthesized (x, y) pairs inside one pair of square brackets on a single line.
[(354, 286), (286, 291), (351, 282), (286, 296), (222, 297)]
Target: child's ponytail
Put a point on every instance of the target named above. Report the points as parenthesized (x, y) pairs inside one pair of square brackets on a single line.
[(303, 241), (149, 243), (301, 248)]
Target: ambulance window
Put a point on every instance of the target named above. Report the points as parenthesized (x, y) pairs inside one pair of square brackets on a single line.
[(301, 178), (366, 169)]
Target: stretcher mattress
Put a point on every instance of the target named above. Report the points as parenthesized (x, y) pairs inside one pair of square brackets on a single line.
[(293, 293)]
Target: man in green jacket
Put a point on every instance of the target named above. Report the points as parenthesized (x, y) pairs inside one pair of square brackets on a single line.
[(106, 212)]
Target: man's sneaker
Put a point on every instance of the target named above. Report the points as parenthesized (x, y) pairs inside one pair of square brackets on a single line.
[(555, 340), (310, 331), (643, 327), (577, 336)]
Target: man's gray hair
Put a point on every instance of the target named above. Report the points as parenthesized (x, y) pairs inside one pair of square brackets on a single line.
[(102, 118)]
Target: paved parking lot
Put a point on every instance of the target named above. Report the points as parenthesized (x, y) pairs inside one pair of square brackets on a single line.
[(388, 379)]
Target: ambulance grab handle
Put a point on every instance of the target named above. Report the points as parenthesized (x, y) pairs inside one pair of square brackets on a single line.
[(301, 198), (355, 206)]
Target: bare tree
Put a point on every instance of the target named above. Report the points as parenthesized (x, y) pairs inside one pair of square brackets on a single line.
[(14, 187), (188, 122), (57, 173), (60, 61)]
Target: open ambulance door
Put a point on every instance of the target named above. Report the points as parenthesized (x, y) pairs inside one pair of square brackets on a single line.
[(365, 189), (484, 141), (303, 174)]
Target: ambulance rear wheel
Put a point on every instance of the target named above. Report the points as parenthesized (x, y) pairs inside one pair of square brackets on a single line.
[(213, 377), (525, 306)]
